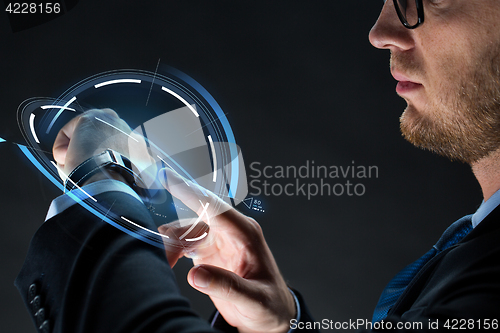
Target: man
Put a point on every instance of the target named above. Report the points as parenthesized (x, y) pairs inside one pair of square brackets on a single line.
[(448, 70), (446, 56)]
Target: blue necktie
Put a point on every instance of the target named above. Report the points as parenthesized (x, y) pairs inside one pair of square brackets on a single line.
[(454, 234)]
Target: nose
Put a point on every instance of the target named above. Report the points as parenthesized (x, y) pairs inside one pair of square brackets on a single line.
[(389, 33)]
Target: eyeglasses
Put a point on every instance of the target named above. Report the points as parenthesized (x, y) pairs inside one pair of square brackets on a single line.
[(410, 12)]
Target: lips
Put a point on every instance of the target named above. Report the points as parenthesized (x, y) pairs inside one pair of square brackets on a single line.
[(405, 84)]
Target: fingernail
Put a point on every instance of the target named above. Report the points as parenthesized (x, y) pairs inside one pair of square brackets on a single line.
[(202, 278)]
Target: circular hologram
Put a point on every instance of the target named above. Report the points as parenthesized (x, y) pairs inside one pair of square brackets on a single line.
[(184, 130)]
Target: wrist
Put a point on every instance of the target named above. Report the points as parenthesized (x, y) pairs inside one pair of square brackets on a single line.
[(107, 165), (106, 174)]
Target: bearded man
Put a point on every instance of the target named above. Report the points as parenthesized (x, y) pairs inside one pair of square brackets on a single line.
[(446, 56)]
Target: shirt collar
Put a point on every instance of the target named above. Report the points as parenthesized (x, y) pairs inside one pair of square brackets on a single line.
[(486, 207)]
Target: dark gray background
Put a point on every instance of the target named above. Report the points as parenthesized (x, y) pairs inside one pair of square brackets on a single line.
[(299, 81)]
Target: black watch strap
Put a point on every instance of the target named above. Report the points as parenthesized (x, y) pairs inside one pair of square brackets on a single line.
[(108, 159)]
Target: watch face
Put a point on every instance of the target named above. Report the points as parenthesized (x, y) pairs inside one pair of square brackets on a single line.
[(174, 119)]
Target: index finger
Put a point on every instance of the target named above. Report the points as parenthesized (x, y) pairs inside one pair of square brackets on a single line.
[(223, 220), (197, 198), (208, 206)]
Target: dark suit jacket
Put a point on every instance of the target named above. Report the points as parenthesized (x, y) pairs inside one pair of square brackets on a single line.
[(83, 275), (91, 277), (459, 288), (460, 283)]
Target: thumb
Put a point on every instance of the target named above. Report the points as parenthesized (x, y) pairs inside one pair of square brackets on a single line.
[(222, 284)]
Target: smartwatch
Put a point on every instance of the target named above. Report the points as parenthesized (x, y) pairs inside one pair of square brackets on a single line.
[(110, 160)]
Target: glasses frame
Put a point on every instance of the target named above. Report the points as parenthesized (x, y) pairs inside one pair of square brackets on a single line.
[(420, 13)]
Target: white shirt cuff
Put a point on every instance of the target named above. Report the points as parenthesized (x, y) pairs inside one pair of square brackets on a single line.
[(65, 201)]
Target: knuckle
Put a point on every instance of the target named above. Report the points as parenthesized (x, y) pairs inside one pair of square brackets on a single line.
[(90, 114), (104, 114), (229, 288), (255, 225), (102, 119), (110, 112)]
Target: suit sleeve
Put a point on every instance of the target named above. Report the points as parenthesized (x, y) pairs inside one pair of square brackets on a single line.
[(83, 275)]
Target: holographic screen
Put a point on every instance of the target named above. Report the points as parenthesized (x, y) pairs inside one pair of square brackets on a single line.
[(184, 130)]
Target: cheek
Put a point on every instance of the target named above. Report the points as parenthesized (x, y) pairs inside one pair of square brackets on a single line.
[(450, 46), (446, 63)]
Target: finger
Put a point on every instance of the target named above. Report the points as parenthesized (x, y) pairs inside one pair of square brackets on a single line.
[(191, 240), (173, 257), (172, 249), (209, 207), (181, 188), (183, 235), (185, 230), (182, 238), (224, 285), (197, 198)]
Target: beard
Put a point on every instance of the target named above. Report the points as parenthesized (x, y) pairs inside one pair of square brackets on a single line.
[(463, 121)]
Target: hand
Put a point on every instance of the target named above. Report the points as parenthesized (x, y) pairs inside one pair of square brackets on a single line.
[(90, 134), (236, 268)]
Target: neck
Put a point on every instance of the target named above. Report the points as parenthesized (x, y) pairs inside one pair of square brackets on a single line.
[(487, 172)]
